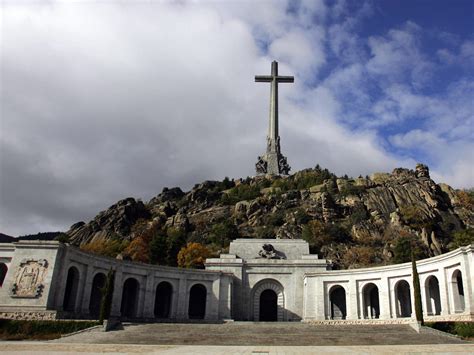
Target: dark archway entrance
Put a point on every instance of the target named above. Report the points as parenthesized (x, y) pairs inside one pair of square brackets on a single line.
[(3, 273), (96, 294), (70, 294), (197, 302), (268, 306), (403, 298), (128, 307), (458, 291), (433, 299), (371, 301), (337, 297), (164, 291)]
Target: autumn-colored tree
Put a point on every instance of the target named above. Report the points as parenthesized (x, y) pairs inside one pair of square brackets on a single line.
[(139, 247), (358, 256), (193, 255), (106, 247)]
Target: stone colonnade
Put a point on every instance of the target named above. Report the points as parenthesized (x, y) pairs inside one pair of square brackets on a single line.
[(446, 283), (141, 291)]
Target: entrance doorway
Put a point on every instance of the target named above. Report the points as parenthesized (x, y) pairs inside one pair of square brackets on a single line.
[(197, 302), (337, 297), (268, 306)]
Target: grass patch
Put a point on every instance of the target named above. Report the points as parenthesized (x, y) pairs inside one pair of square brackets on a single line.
[(462, 329), (41, 329)]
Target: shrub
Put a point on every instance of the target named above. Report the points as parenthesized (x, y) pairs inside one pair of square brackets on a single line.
[(24, 329), (240, 193), (106, 247), (222, 233), (462, 238)]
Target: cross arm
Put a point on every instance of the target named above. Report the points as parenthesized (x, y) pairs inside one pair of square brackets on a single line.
[(285, 79), (263, 78)]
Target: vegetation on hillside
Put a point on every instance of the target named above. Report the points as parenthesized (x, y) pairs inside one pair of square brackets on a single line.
[(355, 222)]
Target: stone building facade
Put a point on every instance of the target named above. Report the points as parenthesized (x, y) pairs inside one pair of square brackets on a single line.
[(258, 280)]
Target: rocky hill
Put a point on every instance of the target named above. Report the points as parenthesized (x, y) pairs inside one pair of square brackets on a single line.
[(354, 222)]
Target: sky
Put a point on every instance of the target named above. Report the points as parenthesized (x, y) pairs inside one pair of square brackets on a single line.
[(102, 100)]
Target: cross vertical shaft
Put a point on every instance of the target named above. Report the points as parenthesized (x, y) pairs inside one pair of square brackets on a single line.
[(273, 162)]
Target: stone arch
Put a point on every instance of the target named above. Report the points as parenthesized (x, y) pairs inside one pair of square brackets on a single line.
[(277, 289), (3, 273), (163, 299), (458, 291), (371, 303), (197, 301), (70, 293), (128, 308), (433, 299), (96, 294), (403, 299), (337, 301)]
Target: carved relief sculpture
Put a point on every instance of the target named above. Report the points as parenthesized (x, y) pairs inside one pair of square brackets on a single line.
[(29, 278)]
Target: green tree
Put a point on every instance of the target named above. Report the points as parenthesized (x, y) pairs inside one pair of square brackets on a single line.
[(462, 238), (159, 248), (107, 293), (416, 290), (223, 233)]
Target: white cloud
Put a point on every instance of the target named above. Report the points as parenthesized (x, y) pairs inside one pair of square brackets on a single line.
[(102, 101)]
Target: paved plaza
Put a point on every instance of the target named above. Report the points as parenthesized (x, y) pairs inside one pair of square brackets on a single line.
[(249, 338)]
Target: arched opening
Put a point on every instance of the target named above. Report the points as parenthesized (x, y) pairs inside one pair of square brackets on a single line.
[(371, 301), (164, 291), (3, 273), (197, 302), (268, 306), (96, 294), (403, 299), (337, 298), (433, 300), (458, 291), (128, 307), (268, 298), (70, 294)]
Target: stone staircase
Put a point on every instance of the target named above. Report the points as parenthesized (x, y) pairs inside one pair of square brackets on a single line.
[(271, 334)]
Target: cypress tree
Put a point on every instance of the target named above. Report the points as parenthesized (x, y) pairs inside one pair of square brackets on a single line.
[(107, 293), (416, 290)]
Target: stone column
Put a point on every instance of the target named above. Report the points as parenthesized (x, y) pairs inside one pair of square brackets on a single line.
[(117, 296), (212, 301), (149, 302), (384, 299), (182, 298), (141, 296), (87, 288), (352, 300), (443, 292)]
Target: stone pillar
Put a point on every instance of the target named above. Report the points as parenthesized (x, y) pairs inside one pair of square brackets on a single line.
[(443, 292), (149, 302), (182, 299), (384, 299), (141, 296), (212, 301), (87, 288), (117, 296), (351, 300)]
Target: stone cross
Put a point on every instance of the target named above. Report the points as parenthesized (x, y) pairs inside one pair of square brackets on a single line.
[(273, 162)]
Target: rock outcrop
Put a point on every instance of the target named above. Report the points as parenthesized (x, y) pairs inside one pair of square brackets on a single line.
[(363, 212), (115, 222)]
